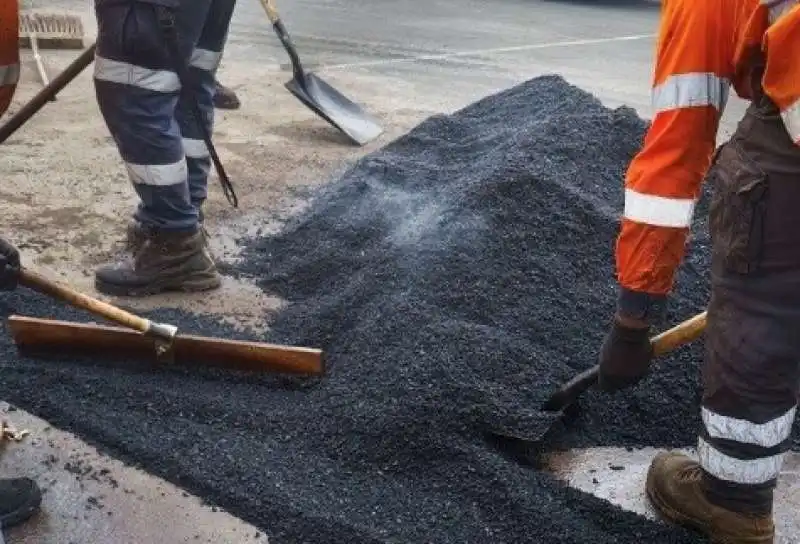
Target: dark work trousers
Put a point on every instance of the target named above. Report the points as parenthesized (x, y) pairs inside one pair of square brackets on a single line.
[(147, 110), (752, 369)]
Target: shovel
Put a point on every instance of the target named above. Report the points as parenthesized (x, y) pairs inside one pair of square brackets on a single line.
[(320, 97), (142, 337), (663, 343), (519, 442)]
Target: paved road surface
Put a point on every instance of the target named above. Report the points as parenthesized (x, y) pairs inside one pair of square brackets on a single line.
[(466, 48), (459, 48)]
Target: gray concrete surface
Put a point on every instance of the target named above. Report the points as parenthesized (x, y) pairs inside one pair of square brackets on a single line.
[(91, 498), (618, 476)]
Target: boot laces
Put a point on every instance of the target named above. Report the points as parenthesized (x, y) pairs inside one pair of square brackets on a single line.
[(691, 474)]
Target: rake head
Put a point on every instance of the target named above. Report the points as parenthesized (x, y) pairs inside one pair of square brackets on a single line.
[(51, 30)]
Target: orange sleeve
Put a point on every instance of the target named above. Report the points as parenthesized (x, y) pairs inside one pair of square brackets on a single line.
[(781, 81), (9, 52), (693, 72)]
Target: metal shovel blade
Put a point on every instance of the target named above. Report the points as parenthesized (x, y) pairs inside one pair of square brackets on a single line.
[(335, 108)]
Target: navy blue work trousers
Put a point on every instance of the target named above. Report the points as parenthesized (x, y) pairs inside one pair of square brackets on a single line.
[(149, 111)]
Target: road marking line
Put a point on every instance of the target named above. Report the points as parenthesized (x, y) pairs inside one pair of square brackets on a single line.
[(478, 52)]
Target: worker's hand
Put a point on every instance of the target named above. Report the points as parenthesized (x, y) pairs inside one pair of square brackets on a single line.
[(9, 266), (625, 355)]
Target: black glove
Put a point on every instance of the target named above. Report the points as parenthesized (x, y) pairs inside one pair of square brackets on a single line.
[(9, 266), (624, 357)]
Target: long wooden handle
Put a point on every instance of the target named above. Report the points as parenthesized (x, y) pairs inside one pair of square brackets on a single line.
[(663, 343), (40, 336), (37, 282), (679, 335), (47, 94), (272, 13)]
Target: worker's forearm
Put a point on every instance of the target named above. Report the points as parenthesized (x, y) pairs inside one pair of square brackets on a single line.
[(662, 186), (691, 83)]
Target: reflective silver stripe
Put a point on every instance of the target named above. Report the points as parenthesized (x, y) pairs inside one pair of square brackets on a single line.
[(690, 91), (778, 8), (195, 149), (9, 75), (730, 469), (766, 435), (791, 118), (160, 81), (658, 210), (205, 59), (158, 174)]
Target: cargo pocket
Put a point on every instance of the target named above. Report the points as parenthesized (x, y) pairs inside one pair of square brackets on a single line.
[(737, 210), (141, 36)]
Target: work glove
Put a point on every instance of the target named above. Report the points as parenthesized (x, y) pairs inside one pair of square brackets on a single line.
[(9, 266), (624, 357)]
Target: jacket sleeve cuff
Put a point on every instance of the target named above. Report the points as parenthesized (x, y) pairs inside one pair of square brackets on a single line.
[(642, 306)]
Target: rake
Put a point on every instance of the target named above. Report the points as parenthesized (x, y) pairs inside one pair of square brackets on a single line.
[(48, 30)]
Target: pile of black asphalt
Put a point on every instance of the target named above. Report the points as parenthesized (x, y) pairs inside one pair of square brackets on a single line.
[(454, 278)]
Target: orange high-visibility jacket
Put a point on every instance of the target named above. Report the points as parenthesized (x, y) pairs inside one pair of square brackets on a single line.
[(705, 47), (9, 51)]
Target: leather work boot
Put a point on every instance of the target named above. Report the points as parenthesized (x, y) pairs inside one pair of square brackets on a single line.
[(20, 498), (225, 98), (136, 235), (163, 262), (674, 487)]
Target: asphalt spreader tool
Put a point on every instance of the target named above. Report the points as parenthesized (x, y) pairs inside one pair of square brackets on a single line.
[(319, 96), (142, 338)]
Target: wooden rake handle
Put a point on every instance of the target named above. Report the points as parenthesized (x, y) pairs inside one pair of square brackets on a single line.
[(37, 282), (663, 343)]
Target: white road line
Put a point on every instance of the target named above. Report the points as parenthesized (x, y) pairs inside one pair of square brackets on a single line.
[(478, 52)]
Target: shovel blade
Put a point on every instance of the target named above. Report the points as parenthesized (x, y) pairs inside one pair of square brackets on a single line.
[(335, 108)]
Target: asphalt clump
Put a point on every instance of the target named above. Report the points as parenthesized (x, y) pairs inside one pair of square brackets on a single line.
[(454, 278)]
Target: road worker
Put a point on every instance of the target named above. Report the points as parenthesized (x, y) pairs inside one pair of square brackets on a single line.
[(149, 112), (752, 369), (20, 498)]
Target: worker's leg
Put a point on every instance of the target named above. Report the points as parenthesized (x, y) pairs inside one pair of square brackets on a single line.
[(752, 369), (203, 66), (137, 90)]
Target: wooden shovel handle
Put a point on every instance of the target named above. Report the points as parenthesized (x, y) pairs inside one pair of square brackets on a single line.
[(663, 343), (680, 334), (272, 12), (37, 282)]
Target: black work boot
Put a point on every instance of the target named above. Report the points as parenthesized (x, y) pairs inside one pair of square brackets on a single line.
[(20, 498), (675, 488), (225, 98), (164, 262)]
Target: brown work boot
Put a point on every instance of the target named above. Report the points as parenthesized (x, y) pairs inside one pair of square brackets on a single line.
[(163, 262), (674, 487), (136, 235), (225, 98)]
